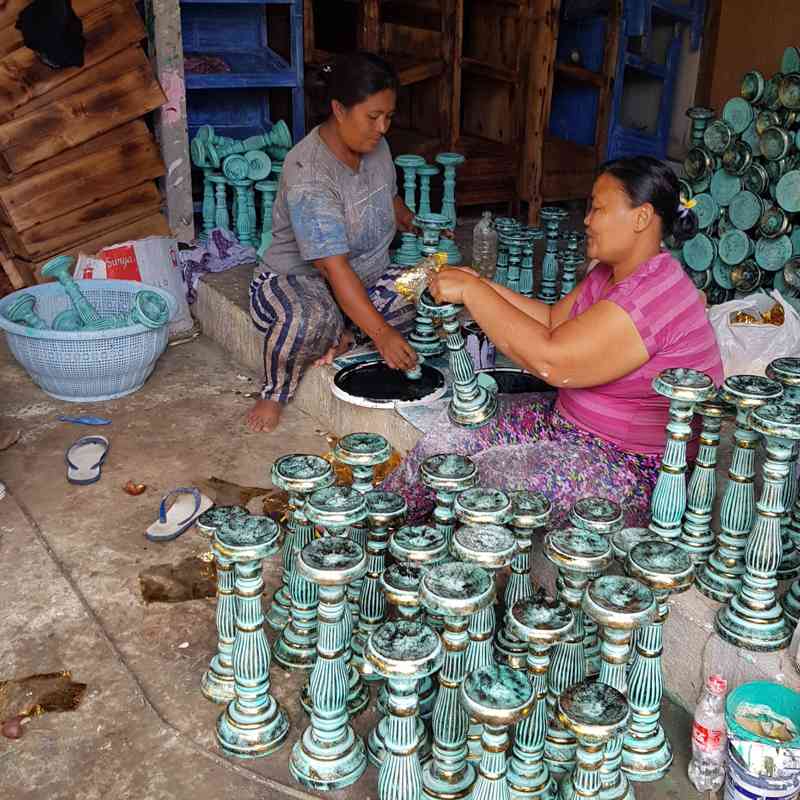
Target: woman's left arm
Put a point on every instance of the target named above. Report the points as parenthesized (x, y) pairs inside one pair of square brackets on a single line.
[(403, 216), (596, 347)]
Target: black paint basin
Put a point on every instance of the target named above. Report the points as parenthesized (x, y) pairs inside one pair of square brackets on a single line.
[(516, 381), (378, 383)]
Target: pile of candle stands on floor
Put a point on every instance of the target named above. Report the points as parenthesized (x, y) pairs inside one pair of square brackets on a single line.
[(743, 173), (557, 697), (247, 166)]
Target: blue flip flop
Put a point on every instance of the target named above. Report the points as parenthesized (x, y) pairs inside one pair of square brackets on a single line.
[(180, 516), (85, 458)]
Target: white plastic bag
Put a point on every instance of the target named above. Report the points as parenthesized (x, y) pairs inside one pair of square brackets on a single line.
[(748, 349), (153, 261)]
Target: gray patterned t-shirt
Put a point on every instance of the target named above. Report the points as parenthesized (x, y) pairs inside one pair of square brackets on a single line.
[(324, 209)]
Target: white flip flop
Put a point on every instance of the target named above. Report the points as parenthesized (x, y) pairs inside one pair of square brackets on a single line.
[(85, 459), (180, 516)]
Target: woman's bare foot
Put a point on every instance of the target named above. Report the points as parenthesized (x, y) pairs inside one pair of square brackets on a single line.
[(342, 346), (264, 416)]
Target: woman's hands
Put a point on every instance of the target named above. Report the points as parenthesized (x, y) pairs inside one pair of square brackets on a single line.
[(394, 349), (449, 285), (404, 217)]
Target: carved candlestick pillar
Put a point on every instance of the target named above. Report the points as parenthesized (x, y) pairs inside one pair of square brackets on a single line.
[(530, 512), (455, 591), (425, 173), (697, 538), (329, 755), (683, 388), (541, 623), (526, 268), (572, 260), (21, 311), (209, 204), (447, 474), (497, 697), (619, 606), (753, 619), (253, 724), (700, 118), (719, 578), (221, 217), (579, 556), (402, 652), (245, 232), (646, 751), (269, 191), (505, 226), (515, 242), (409, 252), (449, 162), (552, 217), (59, 268)]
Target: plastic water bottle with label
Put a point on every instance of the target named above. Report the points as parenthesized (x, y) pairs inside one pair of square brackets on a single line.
[(484, 246), (709, 739)]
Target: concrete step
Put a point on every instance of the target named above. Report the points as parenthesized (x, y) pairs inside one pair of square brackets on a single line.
[(222, 309)]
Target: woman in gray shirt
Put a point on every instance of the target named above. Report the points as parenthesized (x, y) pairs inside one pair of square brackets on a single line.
[(335, 215)]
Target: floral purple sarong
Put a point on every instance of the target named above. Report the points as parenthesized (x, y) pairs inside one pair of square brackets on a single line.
[(529, 445)]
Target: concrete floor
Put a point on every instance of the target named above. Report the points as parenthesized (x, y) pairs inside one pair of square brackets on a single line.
[(71, 598)]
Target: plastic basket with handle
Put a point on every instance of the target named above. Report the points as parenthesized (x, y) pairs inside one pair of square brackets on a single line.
[(87, 366)]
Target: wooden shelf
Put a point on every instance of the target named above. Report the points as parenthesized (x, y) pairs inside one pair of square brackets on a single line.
[(570, 171), (403, 140), (580, 75), (412, 70), (486, 70)]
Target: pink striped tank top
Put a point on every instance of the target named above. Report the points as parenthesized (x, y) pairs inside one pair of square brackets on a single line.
[(668, 312)]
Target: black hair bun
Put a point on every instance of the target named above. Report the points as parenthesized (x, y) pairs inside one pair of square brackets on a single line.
[(685, 226)]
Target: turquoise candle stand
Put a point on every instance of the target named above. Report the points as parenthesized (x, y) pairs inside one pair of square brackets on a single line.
[(298, 475), (59, 268), (253, 724), (400, 584), (700, 118), (786, 371), (622, 542), (551, 217), (449, 163), (515, 241), (472, 404), (221, 217), (209, 203), (526, 279), (425, 173), (541, 623), (646, 751), (409, 251), (683, 388), (603, 517), (403, 652), (697, 538), (571, 261), (497, 697), (530, 512), (491, 547), (720, 577), (339, 510), (579, 555), (385, 510), (22, 312), (217, 681), (619, 606), (505, 226), (363, 453), (268, 191), (455, 591), (447, 475), (752, 619), (596, 714), (329, 755)]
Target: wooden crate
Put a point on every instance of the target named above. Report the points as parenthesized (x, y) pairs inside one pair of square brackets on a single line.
[(115, 96), (78, 177)]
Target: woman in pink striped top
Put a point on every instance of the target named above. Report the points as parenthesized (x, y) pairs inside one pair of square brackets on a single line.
[(634, 315)]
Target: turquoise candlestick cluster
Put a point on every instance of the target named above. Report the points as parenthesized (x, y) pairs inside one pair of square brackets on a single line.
[(247, 166), (412, 246), (148, 308)]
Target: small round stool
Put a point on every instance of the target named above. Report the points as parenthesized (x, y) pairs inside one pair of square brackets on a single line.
[(341, 511), (447, 475), (253, 724), (384, 510), (454, 590), (329, 755), (619, 605), (402, 652), (530, 512), (299, 475), (601, 516), (579, 555), (541, 623), (217, 681), (666, 569), (497, 697), (595, 713)]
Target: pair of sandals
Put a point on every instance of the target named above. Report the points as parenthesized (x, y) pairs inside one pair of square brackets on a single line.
[(85, 460)]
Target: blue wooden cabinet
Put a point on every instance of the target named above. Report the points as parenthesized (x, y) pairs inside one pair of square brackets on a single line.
[(234, 95)]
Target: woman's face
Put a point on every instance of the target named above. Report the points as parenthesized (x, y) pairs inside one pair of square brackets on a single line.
[(362, 126), (610, 222)]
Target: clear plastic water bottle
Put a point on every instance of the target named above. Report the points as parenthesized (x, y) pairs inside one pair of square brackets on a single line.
[(484, 245), (709, 738)]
